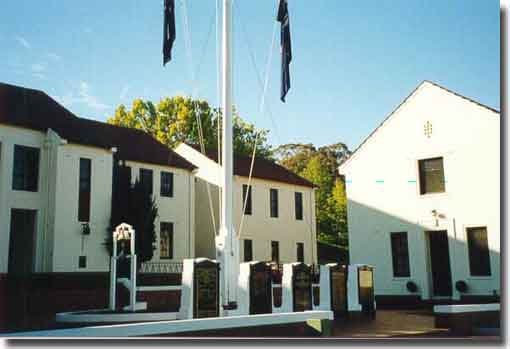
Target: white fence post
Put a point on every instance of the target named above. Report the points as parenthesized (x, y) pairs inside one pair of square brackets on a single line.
[(133, 283), (113, 282)]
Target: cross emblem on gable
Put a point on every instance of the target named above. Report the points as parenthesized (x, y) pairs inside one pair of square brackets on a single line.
[(427, 129)]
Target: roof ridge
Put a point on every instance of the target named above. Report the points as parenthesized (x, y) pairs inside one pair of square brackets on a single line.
[(404, 101), (462, 96), (44, 112)]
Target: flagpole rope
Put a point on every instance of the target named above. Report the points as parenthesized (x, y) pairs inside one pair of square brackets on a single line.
[(261, 110), (188, 46), (249, 46)]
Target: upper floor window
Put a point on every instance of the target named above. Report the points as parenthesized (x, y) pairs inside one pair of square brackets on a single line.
[(273, 202), (431, 175), (247, 199), (166, 240), (146, 179), (400, 254), (248, 250), (479, 257), (25, 174), (167, 184), (298, 202), (84, 190)]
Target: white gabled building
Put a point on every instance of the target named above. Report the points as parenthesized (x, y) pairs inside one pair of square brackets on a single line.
[(56, 174), (279, 221), (423, 196)]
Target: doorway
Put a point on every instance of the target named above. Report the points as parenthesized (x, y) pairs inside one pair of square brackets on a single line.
[(440, 263), (22, 242)]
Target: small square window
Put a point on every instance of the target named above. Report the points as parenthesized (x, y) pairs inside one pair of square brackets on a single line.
[(431, 173), (275, 251), (300, 252), (167, 184), (247, 200), (166, 240), (248, 250), (82, 262)]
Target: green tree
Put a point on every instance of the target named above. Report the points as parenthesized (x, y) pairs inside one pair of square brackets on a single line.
[(320, 166), (337, 212), (143, 213), (135, 206), (175, 120)]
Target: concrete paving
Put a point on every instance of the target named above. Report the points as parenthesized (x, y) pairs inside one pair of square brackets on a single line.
[(390, 323)]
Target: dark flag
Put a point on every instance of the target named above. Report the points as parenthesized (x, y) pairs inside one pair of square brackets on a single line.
[(168, 30), (283, 18)]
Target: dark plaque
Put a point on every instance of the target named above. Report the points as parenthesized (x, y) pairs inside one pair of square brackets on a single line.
[(366, 289), (206, 289), (338, 281), (302, 287), (260, 288)]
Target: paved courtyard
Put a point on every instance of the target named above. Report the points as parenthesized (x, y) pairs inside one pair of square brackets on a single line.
[(416, 323), (390, 323)]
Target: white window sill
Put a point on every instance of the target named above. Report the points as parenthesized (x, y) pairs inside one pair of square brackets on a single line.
[(474, 278)]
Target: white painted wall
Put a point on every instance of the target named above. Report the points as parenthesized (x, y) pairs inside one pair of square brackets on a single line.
[(466, 135), (12, 199), (259, 227), (59, 233), (69, 242)]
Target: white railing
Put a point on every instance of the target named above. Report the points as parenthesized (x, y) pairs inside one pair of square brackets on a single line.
[(161, 267)]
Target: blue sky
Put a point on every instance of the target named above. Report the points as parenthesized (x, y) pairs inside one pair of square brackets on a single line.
[(353, 61)]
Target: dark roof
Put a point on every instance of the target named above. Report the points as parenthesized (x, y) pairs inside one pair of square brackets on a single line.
[(262, 168), (403, 102), (36, 110)]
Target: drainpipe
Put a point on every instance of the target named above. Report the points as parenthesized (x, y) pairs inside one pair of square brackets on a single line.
[(51, 142)]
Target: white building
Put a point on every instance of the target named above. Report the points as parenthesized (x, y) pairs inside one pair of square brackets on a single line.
[(279, 221), (56, 174), (424, 198)]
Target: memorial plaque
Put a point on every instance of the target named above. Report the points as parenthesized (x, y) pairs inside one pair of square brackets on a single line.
[(366, 289), (302, 287), (206, 289), (338, 281), (260, 288)]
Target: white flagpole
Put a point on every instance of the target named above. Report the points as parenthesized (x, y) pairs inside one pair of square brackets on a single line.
[(227, 245)]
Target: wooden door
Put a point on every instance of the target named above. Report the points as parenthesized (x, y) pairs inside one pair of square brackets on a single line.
[(440, 264)]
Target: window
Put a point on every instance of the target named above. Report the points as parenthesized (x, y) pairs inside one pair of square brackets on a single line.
[(298, 202), (167, 184), (275, 251), (273, 201), (82, 262), (300, 252), (479, 258), (431, 176), (84, 190), (25, 174), (400, 254), (146, 179), (248, 250), (247, 191), (166, 240)]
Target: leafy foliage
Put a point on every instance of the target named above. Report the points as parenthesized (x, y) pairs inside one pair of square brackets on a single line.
[(174, 120), (319, 165)]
